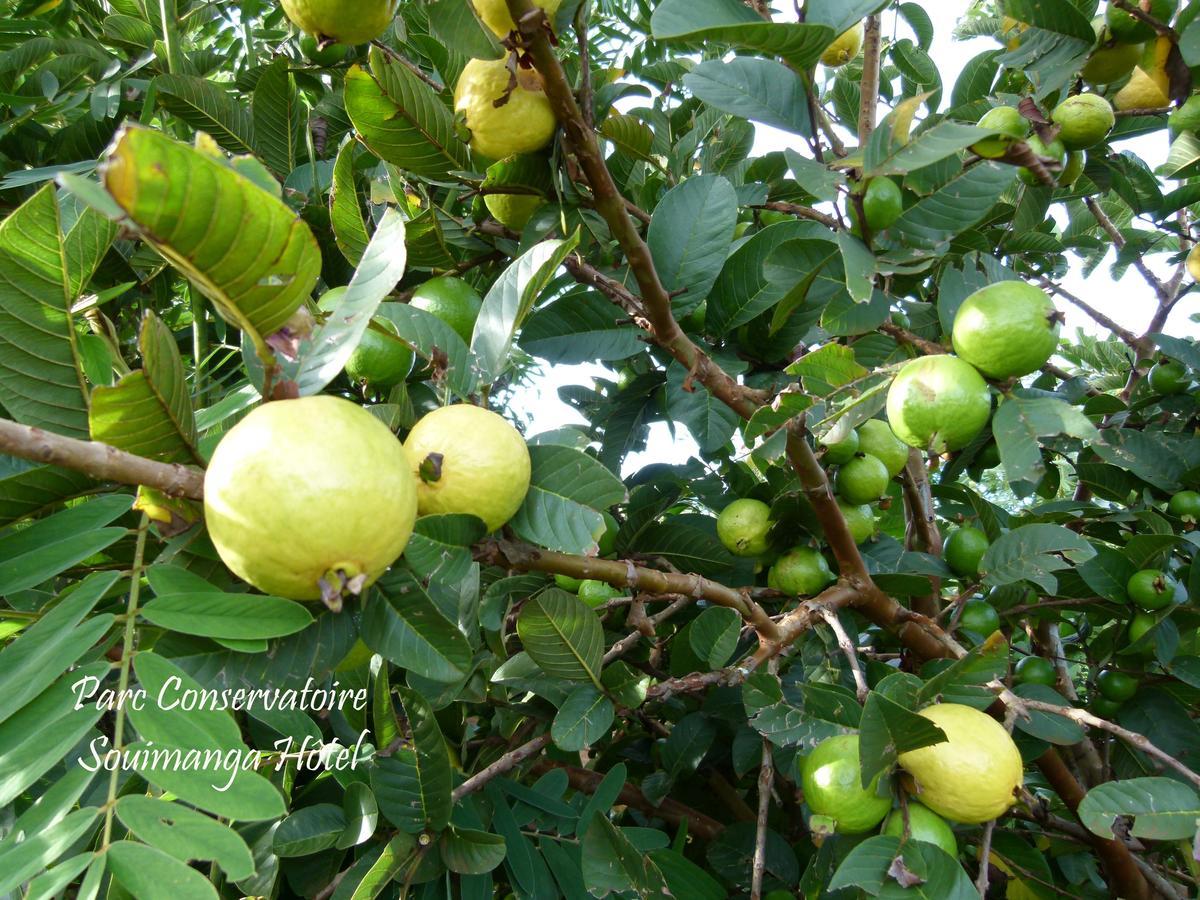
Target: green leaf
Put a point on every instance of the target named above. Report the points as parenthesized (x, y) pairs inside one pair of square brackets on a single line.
[(382, 265), (584, 718), (562, 635), (163, 718), (432, 760), (435, 341), (689, 236), (32, 662), (345, 211), (148, 873), (941, 141), (581, 326), (407, 628), (567, 489), (402, 120), (869, 866), (928, 225), (208, 108), (729, 22), (859, 267), (27, 489), (1033, 553), (684, 878), (249, 796), (149, 412), (1021, 421), (469, 852), (186, 834), (758, 89), (279, 117), (258, 262), (710, 420), (19, 862), (508, 302), (714, 635), (1163, 809), (43, 376), (612, 863), (1044, 725), (370, 876), (362, 815), (222, 615), (888, 729), (309, 830), (455, 25), (687, 745)]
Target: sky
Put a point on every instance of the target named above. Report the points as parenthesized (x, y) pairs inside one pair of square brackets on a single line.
[(1129, 301)]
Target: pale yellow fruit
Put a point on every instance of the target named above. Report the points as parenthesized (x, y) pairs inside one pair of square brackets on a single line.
[(469, 460), (1193, 262), (302, 490), (342, 21), (523, 124), (844, 49), (513, 210), (1144, 90), (974, 774), (495, 14)]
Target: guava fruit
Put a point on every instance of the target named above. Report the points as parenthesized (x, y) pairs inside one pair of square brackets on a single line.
[(513, 210), (980, 617), (743, 527), (1116, 686), (1186, 117), (596, 593), (1138, 626), (843, 451), (329, 55), (1012, 127), (1185, 505), (309, 490), (567, 583), (974, 774), (495, 14), (938, 403), (1111, 60), (1035, 670), (452, 300), (1007, 329), (522, 123), (1168, 377), (963, 550), (923, 825), (1104, 707), (859, 518), (862, 480), (1054, 151), (832, 782), (1128, 28), (343, 21), (470, 460), (845, 48), (1073, 168), (1083, 121), (1151, 589), (1144, 90), (802, 571), (876, 438), (883, 203), (380, 360)]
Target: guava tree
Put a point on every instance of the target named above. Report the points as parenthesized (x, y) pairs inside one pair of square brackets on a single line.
[(915, 617)]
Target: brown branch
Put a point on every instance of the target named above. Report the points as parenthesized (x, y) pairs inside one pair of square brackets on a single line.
[(801, 212), (985, 853), (669, 810), (1162, 28), (620, 573), (100, 461), (1118, 239), (505, 763), (1151, 111), (1097, 316), (868, 103), (847, 646), (766, 782), (923, 533), (1049, 641), (904, 336)]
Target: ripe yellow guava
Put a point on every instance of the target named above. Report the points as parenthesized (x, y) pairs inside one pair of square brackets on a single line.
[(845, 48), (832, 784), (1083, 120), (938, 403), (343, 21), (1144, 90), (495, 14), (469, 460), (513, 210), (523, 123), (1007, 329), (974, 774), (302, 490), (1112, 60)]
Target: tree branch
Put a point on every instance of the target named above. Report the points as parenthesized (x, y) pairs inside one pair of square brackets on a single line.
[(1118, 240), (766, 781), (801, 212), (1097, 316), (847, 645), (869, 86), (922, 524), (100, 461), (506, 763)]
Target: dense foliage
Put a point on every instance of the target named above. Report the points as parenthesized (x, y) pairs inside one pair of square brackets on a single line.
[(208, 214)]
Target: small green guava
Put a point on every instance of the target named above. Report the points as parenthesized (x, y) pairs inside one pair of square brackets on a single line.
[(1011, 125), (1084, 120)]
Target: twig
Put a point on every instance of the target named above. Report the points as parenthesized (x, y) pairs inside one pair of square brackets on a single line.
[(1100, 318), (923, 533), (100, 461), (507, 762), (1118, 240), (766, 780), (869, 86), (1083, 717), (801, 212), (1162, 28), (904, 336), (412, 67), (585, 66), (985, 853), (847, 645)]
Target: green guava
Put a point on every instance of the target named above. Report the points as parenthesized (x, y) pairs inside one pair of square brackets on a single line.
[(469, 460), (876, 438), (523, 123), (513, 210), (1151, 589), (344, 21), (1169, 377), (963, 550), (567, 583), (1116, 686), (1011, 125), (309, 490), (938, 403), (1185, 505), (923, 825), (1054, 151), (1111, 60), (381, 360), (1035, 670), (883, 203), (1007, 329), (802, 571), (1073, 168), (859, 518), (843, 451), (605, 534), (862, 480), (329, 55), (743, 527), (1083, 120), (596, 593), (832, 782), (452, 300)]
